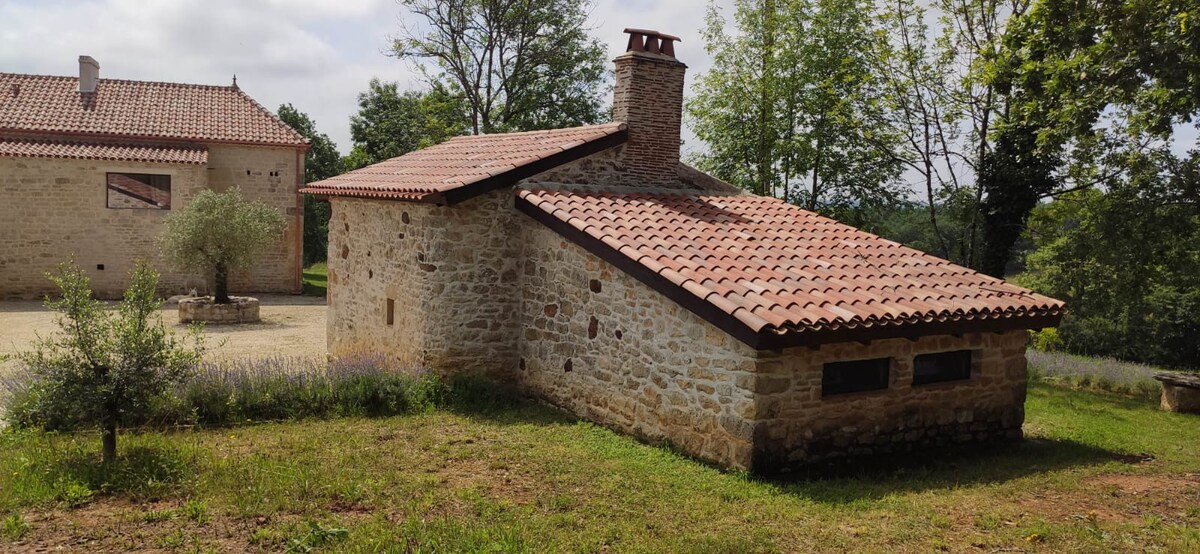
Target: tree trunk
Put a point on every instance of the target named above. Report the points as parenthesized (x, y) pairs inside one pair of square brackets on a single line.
[(221, 284), (109, 440)]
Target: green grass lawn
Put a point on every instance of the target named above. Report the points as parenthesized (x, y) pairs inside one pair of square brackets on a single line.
[(1097, 473), (316, 279)]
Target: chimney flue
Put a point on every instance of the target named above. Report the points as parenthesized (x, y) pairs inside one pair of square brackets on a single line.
[(89, 74), (648, 98)]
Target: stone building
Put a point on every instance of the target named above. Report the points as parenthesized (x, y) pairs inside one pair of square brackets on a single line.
[(89, 167), (593, 269)]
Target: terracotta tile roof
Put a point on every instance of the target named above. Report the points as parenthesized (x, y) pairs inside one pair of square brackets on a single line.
[(103, 151), (139, 109), (465, 166), (776, 275)]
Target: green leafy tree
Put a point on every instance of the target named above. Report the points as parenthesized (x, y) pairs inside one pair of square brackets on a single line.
[(220, 232), (390, 123), (1082, 79), (1127, 262), (321, 162), (518, 65), (104, 367), (791, 107)]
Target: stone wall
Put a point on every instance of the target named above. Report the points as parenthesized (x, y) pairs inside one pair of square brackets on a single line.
[(272, 176), (602, 345), (607, 348), (797, 424), (451, 274), (55, 208)]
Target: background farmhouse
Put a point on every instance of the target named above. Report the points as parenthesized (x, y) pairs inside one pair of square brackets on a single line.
[(90, 166)]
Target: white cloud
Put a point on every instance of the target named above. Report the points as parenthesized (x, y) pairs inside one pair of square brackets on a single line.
[(315, 54)]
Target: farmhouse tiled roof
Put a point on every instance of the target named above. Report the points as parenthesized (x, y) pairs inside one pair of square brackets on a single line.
[(139, 110), (27, 148), (775, 275), (463, 167)]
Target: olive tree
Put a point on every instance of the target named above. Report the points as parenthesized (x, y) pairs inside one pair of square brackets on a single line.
[(106, 366), (219, 232)]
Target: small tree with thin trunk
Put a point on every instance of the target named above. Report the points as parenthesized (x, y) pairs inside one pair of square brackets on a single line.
[(219, 232), (106, 366)]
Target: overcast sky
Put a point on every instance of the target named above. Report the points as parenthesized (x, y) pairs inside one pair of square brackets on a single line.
[(316, 54)]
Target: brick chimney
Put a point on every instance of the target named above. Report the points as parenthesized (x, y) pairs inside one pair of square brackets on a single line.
[(648, 98), (89, 73)]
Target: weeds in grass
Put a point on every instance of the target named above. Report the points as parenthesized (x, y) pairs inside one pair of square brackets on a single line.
[(196, 510), (14, 527), (317, 535), (156, 516), (72, 492)]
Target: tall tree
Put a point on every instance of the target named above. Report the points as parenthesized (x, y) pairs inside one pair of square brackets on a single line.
[(517, 64), (791, 107), (321, 162), (1077, 74), (921, 90), (390, 123)]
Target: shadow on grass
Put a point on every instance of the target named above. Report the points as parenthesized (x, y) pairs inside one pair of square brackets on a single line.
[(940, 468), (140, 472)]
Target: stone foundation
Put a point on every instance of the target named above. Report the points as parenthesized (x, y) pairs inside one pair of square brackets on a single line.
[(1181, 392), (240, 309)]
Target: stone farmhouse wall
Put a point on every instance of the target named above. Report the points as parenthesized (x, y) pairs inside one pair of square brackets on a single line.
[(57, 208), (450, 274), (796, 424), (607, 348), (270, 175), (481, 287)]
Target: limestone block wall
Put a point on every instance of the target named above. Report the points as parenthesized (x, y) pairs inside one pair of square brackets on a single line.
[(270, 175), (451, 274), (607, 348), (54, 208), (798, 424)]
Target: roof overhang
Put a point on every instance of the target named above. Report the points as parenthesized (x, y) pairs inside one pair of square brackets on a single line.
[(467, 191), (775, 339)]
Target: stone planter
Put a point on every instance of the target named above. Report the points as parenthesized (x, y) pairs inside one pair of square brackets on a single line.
[(240, 309), (1181, 392)]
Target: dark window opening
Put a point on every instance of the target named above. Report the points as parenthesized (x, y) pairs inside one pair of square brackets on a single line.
[(391, 311), (855, 376), (941, 367), (139, 191)]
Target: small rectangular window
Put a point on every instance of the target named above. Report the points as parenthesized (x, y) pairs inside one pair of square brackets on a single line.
[(139, 191), (391, 311), (940, 367), (855, 376)]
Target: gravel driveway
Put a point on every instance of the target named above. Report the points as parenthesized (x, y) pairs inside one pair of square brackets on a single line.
[(291, 326)]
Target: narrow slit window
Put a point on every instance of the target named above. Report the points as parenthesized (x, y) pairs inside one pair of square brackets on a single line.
[(391, 311), (142, 191), (855, 376), (941, 367)]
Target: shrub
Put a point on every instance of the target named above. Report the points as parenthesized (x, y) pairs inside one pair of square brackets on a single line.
[(104, 368), (1046, 340), (268, 389)]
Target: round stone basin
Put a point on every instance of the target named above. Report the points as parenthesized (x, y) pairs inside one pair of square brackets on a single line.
[(240, 309)]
